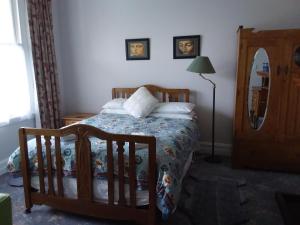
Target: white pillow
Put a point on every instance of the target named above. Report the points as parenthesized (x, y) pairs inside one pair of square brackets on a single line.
[(174, 107), (140, 103), (114, 111), (186, 116), (116, 103)]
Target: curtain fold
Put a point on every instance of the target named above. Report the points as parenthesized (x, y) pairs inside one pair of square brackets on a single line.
[(43, 53)]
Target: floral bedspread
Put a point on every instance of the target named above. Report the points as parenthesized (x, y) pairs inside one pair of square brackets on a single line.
[(175, 139)]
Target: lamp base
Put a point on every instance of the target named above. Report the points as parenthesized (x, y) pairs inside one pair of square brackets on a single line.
[(213, 159)]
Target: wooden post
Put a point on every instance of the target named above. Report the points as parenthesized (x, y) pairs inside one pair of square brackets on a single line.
[(40, 163), (120, 150), (84, 169), (132, 174), (152, 185), (49, 165), (25, 169), (110, 171), (59, 174)]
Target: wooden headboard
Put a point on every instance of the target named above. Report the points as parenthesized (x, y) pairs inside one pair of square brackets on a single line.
[(163, 94)]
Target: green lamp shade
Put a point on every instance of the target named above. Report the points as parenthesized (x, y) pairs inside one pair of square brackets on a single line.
[(201, 64)]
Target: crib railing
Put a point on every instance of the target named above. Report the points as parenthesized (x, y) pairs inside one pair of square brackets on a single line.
[(85, 202)]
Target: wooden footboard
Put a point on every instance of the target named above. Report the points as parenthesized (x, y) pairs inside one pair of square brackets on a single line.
[(85, 203)]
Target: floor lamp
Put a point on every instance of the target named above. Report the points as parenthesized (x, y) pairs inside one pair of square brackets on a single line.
[(200, 65)]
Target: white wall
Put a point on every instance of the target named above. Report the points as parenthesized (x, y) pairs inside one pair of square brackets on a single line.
[(90, 41), (9, 139)]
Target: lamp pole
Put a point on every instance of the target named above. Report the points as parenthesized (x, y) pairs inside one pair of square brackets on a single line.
[(212, 158), (213, 125), (200, 65)]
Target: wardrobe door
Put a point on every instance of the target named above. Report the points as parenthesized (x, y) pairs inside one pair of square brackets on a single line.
[(256, 143), (291, 117)]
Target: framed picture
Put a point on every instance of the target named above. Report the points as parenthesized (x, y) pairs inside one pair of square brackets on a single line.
[(137, 49), (186, 46)]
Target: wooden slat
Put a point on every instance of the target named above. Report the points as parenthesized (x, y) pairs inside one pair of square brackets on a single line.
[(186, 98), (152, 185), (132, 174), (170, 97), (163, 96), (113, 93), (84, 167), (110, 171), (59, 175), (120, 150), (49, 165), (176, 97), (25, 168), (40, 163)]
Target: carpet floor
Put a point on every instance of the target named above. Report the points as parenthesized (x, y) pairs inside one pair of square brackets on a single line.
[(213, 194)]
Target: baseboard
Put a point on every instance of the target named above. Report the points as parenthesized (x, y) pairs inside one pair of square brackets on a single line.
[(220, 148), (3, 166)]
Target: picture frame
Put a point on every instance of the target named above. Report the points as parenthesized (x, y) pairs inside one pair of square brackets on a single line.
[(137, 49), (186, 46)]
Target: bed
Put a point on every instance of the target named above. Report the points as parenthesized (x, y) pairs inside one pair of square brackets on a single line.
[(111, 165)]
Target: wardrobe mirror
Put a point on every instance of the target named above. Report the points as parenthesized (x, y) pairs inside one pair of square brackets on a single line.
[(258, 90), (297, 56)]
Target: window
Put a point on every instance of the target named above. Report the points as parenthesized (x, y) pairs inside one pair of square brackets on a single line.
[(16, 87)]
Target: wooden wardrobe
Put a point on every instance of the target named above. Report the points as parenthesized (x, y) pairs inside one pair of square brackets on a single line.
[(267, 110)]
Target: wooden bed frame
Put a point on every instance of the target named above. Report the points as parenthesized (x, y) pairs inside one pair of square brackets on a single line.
[(84, 203)]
